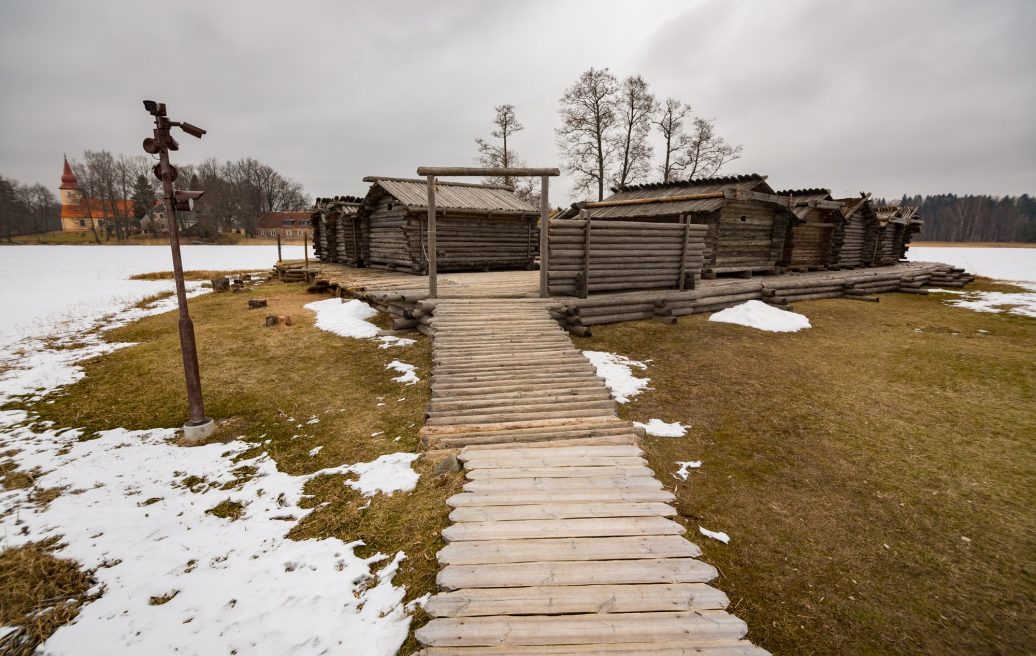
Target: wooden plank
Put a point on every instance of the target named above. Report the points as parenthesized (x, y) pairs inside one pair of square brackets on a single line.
[(558, 472), (684, 647), (492, 462), (706, 625), (512, 498), (561, 511), (562, 549), (564, 600), (590, 527), (597, 572), (508, 485), (518, 452)]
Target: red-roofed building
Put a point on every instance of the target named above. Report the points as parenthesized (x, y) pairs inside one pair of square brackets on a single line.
[(290, 225), (76, 211)]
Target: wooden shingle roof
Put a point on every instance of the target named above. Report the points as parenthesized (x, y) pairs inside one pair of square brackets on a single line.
[(731, 183), (413, 193)]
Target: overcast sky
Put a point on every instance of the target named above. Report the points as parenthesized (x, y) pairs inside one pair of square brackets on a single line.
[(890, 96)]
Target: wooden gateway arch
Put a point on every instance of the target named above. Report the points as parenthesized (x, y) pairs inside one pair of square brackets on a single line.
[(432, 172)]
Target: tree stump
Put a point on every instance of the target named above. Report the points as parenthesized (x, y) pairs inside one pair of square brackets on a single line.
[(221, 284), (255, 303)]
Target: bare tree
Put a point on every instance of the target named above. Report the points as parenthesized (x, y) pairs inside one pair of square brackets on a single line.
[(706, 152), (588, 123), (671, 124), (500, 155), (89, 189), (635, 107)]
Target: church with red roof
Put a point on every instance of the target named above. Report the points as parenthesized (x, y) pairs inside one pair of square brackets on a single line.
[(79, 214)]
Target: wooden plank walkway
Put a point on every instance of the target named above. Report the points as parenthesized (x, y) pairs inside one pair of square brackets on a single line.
[(562, 541)]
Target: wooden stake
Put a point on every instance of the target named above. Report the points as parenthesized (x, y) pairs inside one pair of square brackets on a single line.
[(544, 235), (432, 273)]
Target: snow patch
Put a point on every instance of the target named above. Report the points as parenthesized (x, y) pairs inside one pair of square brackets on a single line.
[(715, 535), (408, 371), (1020, 303), (315, 450), (346, 319), (685, 468), (1011, 264), (756, 314), (617, 372), (658, 428)]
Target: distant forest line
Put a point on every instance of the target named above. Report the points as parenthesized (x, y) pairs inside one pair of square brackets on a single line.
[(948, 217)]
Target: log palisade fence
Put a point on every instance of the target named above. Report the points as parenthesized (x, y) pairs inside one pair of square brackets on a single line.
[(607, 256), (746, 222)]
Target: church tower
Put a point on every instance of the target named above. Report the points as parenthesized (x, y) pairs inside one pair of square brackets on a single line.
[(71, 198)]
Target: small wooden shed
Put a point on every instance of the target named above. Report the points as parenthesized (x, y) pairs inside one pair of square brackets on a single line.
[(861, 229), (479, 227), (335, 230), (746, 220), (896, 227), (818, 226)]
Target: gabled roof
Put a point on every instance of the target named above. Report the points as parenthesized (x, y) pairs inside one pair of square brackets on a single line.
[(851, 206), (281, 220), (732, 183), (902, 214), (413, 193), (815, 193)]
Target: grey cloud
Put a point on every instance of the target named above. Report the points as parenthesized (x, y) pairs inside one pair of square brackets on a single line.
[(893, 97)]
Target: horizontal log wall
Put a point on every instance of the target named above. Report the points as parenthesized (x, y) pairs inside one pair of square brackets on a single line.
[(748, 237), (609, 256)]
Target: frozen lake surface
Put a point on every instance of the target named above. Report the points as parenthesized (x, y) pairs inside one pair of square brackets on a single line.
[(46, 286), (1015, 264)]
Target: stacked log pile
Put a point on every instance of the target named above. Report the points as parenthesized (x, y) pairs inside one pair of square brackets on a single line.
[(589, 257)]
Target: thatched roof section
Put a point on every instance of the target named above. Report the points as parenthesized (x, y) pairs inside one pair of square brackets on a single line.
[(464, 196)]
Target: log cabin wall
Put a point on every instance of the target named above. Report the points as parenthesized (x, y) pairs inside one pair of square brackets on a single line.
[(588, 257), (860, 232), (746, 221), (478, 227), (749, 237)]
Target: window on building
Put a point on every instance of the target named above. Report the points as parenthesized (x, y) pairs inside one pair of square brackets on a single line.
[(82, 223)]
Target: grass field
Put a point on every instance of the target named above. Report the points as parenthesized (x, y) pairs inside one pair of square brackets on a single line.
[(875, 472), (254, 379)]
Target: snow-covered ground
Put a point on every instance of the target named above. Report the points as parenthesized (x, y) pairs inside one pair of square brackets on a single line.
[(617, 372), (171, 576), (756, 314), (1012, 264), (44, 286), (1015, 265)]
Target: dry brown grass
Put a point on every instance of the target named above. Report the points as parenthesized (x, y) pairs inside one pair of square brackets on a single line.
[(38, 594), (265, 383), (191, 275), (875, 472)]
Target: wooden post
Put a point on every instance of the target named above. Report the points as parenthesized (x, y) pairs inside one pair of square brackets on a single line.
[(305, 248), (432, 279), (544, 236), (585, 215), (683, 252), (279, 246)]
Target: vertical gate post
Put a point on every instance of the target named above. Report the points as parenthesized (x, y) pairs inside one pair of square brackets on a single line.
[(544, 236), (433, 286), (585, 215)]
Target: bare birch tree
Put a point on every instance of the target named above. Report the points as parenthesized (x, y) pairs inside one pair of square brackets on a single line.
[(707, 152), (588, 123), (671, 124), (501, 154), (635, 106)]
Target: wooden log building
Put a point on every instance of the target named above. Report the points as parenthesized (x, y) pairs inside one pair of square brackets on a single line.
[(814, 237), (745, 219), (896, 227), (335, 230), (860, 232), (479, 227)]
